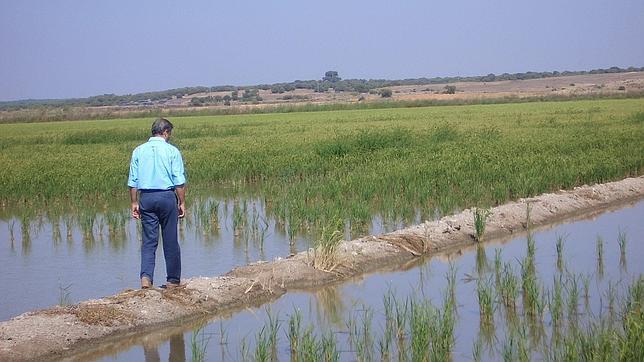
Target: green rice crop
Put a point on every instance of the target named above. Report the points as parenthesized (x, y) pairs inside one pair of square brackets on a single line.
[(485, 296), (325, 246), (295, 330), (480, 219), (429, 332), (349, 163), (560, 244), (198, 344)]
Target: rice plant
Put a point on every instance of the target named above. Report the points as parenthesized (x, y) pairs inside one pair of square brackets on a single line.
[(451, 286), (262, 346), (528, 212), (585, 279), (244, 352), (531, 246), (223, 335), (508, 287), (421, 315), (198, 344), (532, 302), (385, 342), (328, 348), (486, 301), (272, 327), (364, 345), (477, 350), (308, 351), (295, 331), (480, 220), (324, 251), (555, 303), (498, 263), (402, 312), (621, 240), (560, 246), (573, 297)]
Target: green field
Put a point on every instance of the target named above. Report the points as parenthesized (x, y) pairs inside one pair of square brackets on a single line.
[(349, 164)]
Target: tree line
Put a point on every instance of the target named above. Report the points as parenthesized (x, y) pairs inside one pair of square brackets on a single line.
[(331, 80)]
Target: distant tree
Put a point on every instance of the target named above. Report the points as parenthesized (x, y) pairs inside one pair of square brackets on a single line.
[(386, 93), (488, 78), (277, 88), (227, 98), (234, 95), (250, 93), (450, 89), (331, 76), (196, 101)]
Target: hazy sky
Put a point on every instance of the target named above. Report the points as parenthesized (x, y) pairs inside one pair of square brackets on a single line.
[(65, 48)]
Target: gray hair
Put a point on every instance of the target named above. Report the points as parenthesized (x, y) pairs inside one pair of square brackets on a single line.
[(161, 125)]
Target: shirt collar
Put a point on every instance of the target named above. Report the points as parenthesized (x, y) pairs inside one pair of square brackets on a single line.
[(156, 138)]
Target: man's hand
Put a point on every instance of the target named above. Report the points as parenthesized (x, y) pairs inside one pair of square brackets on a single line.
[(136, 213), (182, 210), (181, 199), (135, 210)]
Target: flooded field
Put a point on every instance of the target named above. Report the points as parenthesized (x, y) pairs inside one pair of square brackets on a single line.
[(66, 259), (554, 293)]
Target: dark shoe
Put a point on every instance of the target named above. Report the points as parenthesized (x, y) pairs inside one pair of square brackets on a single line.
[(171, 285), (145, 283)]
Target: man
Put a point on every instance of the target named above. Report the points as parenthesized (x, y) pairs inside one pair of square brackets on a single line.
[(157, 173)]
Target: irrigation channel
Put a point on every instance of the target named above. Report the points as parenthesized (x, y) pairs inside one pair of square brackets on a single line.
[(84, 256), (579, 272), (583, 257)]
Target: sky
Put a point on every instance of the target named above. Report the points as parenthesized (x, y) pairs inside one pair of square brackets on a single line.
[(79, 48)]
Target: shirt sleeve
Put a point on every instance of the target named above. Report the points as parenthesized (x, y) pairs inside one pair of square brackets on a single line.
[(133, 179), (178, 172)]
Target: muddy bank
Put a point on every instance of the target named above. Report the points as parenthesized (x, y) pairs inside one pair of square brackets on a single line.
[(73, 330)]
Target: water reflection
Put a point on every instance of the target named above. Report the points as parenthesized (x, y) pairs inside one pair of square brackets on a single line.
[(12, 238), (330, 306), (177, 351), (25, 234)]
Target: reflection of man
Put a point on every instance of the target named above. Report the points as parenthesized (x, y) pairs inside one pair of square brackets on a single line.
[(156, 171), (177, 350)]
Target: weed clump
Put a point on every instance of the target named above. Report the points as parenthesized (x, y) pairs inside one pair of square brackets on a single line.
[(324, 252), (480, 219)]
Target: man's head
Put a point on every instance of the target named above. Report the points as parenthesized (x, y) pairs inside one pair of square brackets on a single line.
[(162, 128)]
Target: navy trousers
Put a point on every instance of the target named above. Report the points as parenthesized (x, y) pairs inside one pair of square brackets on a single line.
[(159, 209)]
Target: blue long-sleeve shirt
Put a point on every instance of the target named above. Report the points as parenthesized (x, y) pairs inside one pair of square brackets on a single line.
[(156, 165)]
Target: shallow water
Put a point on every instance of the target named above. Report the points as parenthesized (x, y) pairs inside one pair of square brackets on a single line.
[(331, 308), (73, 258)]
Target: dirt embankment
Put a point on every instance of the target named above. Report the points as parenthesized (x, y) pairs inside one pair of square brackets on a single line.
[(71, 330)]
